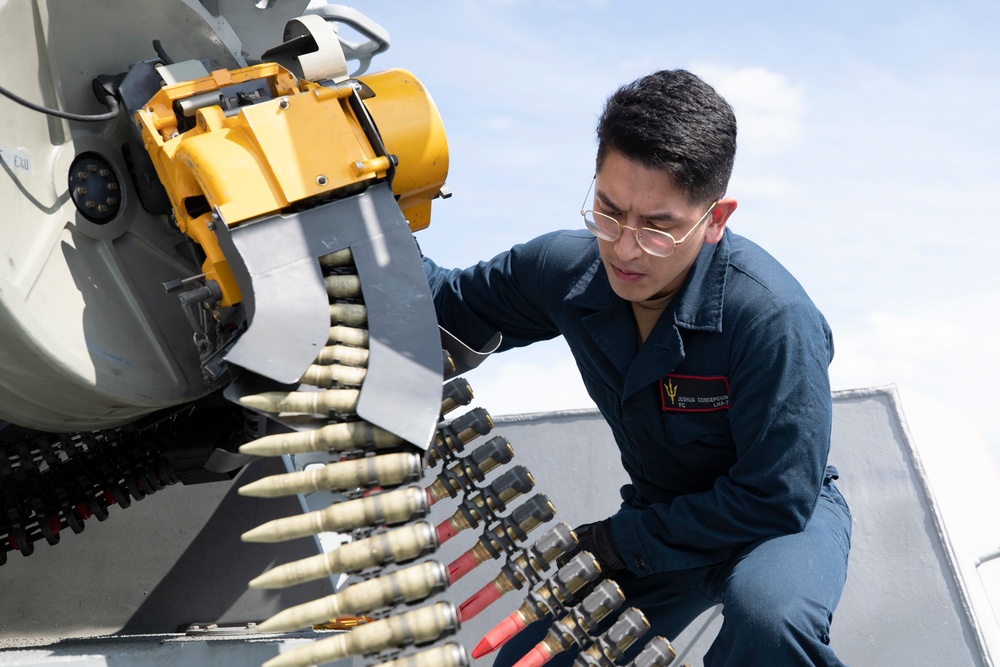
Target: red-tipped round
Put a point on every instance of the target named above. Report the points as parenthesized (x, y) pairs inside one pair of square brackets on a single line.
[(461, 566), (536, 657), (445, 531), (479, 600), (499, 635), (430, 497)]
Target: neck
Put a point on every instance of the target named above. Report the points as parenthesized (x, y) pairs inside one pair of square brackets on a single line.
[(647, 313)]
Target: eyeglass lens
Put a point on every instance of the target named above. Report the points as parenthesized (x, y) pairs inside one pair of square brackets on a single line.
[(607, 228)]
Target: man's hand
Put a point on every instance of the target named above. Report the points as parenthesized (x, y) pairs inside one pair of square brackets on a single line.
[(596, 538)]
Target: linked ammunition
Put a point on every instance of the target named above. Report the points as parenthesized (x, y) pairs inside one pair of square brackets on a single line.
[(398, 545), (334, 375), (349, 314), (448, 655), (524, 569), (329, 402), (658, 653), (337, 259), (384, 470), (572, 629), (452, 437), (354, 336), (610, 647), (471, 469), (549, 598), (448, 368), (456, 393), (410, 584), (504, 538), (484, 506), (419, 626), (387, 508), (343, 286), (358, 435), (340, 437), (343, 355)]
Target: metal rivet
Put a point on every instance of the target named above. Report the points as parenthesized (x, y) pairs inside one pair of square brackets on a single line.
[(321, 180)]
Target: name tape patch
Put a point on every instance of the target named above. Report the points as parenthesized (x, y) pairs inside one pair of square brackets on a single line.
[(691, 393)]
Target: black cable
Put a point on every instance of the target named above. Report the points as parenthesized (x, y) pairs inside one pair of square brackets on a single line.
[(111, 102), (158, 47)]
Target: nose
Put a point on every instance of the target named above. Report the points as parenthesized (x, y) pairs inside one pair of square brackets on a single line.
[(627, 247)]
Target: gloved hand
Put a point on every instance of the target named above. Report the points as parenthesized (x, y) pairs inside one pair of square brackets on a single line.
[(596, 538)]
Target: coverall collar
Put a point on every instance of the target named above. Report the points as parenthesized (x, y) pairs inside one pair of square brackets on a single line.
[(698, 306)]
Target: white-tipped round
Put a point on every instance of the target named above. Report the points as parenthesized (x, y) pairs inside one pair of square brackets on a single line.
[(393, 546), (383, 508), (335, 375), (343, 286), (351, 314), (348, 336), (337, 259), (342, 437), (332, 401), (343, 354), (414, 627), (385, 470), (409, 584)]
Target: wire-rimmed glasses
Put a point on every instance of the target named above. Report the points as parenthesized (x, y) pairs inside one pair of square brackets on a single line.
[(654, 241)]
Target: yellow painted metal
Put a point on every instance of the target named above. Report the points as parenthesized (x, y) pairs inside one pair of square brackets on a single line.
[(411, 130), (305, 143)]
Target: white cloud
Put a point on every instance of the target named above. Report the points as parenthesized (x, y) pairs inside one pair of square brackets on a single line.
[(768, 107), (942, 349), (892, 347)]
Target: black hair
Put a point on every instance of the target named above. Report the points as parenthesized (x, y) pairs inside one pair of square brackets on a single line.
[(672, 120)]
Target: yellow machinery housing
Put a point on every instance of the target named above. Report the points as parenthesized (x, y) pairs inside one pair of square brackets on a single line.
[(303, 144)]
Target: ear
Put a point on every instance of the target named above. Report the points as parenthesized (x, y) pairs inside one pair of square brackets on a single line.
[(719, 216)]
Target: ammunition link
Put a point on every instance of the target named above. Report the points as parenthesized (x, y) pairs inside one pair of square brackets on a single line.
[(514, 528), (472, 469), (657, 653), (610, 647)]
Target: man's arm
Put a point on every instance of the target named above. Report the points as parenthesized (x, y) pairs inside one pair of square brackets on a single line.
[(505, 294)]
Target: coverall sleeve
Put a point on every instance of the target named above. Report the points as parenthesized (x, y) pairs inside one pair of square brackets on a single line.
[(780, 416), (502, 295)]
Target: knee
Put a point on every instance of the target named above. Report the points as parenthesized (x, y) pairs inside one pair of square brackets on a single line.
[(771, 615)]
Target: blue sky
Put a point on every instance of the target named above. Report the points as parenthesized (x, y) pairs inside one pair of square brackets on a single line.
[(868, 161)]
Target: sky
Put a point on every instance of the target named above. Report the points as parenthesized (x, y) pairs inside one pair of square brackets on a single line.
[(868, 162)]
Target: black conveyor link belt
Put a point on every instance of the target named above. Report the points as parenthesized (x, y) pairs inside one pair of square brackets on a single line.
[(51, 481)]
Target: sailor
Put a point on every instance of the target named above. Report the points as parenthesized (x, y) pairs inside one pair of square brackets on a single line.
[(709, 363)]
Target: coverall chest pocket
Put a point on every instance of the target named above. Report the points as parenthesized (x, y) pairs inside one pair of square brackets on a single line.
[(700, 444), (710, 429)]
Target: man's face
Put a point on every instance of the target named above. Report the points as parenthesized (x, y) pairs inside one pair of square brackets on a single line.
[(638, 196)]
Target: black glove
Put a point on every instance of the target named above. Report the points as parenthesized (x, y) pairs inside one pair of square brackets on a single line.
[(596, 538)]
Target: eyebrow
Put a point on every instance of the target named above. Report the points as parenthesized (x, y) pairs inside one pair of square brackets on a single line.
[(665, 217)]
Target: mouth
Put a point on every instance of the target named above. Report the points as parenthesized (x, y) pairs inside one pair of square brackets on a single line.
[(626, 276)]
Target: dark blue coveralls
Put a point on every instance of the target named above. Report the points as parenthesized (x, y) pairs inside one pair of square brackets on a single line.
[(723, 421)]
